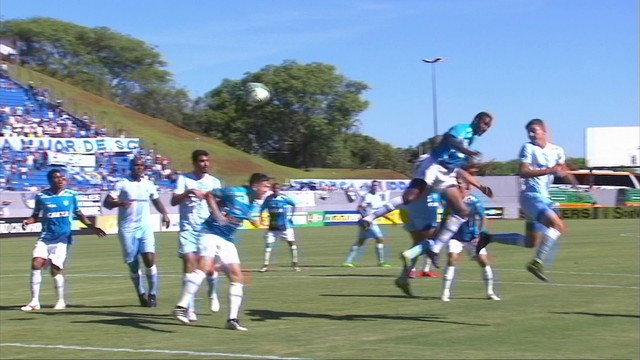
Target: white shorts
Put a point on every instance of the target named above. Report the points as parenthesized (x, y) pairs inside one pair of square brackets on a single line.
[(271, 235), (456, 247), (214, 245), (56, 252), (435, 175)]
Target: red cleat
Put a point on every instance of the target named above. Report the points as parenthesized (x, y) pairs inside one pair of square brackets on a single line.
[(431, 274)]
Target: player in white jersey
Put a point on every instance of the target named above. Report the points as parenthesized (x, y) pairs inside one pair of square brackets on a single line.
[(132, 196), (189, 194), (370, 202), (540, 160), (59, 206)]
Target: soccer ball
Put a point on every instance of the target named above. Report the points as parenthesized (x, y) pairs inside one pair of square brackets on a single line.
[(257, 93)]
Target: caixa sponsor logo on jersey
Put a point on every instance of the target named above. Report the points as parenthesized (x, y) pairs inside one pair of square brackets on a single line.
[(58, 214)]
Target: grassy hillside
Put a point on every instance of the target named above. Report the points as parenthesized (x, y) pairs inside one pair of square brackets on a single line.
[(230, 164)]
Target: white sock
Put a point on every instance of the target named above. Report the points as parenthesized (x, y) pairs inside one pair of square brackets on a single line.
[(447, 231), (191, 285), (352, 253), (385, 209), (191, 305), (267, 253), (447, 278), (36, 280), (487, 275), (58, 283), (235, 299), (380, 252), (294, 254), (152, 279), (137, 283), (551, 235), (426, 264), (212, 280)]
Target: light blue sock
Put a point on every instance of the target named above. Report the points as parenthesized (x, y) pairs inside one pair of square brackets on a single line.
[(135, 275)]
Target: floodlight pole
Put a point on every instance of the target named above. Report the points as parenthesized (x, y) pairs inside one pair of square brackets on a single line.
[(433, 90)]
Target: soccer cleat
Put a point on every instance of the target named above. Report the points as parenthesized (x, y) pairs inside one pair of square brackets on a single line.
[(181, 315), (152, 300), (384, 264), (234, 324), (296, 268), (143, 300), (434, 258), (30, 307), (493, 297), (364, 224), (349, 265), (60, 305), (191, 316), (431, 274), (412, 274), (483, 241), (264, 268), (445, 298), (536, 268), (403, 284), (214, 304)]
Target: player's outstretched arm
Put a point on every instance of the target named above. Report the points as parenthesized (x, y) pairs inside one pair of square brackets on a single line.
[(111, 203), (83, 219), (30, 220), (472, 180), (213, 207)]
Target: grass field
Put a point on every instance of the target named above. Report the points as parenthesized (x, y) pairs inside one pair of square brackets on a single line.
[(589, 311)]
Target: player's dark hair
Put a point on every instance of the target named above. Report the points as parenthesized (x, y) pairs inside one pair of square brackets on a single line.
[(134, 161), (197, 153), (53, 173), (257, 178), (482, 115), (535, 122), (275, 184)]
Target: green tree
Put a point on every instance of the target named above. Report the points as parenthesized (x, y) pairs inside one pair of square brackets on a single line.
[(311, 113)]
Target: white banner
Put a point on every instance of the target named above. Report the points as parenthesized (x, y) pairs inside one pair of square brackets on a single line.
[(358, 184), (54, 158), (71, 145)]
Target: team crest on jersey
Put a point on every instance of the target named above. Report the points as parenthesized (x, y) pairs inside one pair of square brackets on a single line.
[(65, 202)]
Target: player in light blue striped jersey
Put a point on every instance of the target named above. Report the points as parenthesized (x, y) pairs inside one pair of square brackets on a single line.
[(58, 206), (280, 208), (540, 161), (229, 206), (132, 196), (190, 192)]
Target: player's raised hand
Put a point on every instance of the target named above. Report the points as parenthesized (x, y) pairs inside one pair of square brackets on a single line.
[(486, 190)]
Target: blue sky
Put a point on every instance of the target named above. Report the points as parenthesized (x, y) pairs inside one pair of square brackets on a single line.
[(573, 63)]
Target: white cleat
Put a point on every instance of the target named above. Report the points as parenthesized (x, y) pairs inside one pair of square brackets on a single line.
[(493, 297), (30, 307), (214, 304), (191, 315), (445, 296), (60, 305), (233, 324)]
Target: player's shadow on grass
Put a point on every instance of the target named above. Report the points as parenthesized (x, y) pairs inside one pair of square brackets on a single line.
[(264, 315), (386, 296), (357, 275), (634, 316)]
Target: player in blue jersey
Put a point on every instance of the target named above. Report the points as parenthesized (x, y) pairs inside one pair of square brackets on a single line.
[(370, 202), (190, 192), (421, 219), (280, 208), (465, 239), (132, 196), (229, 206), (58, 206), (540, 160)]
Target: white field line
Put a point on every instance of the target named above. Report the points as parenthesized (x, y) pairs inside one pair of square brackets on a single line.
[(156, 351)]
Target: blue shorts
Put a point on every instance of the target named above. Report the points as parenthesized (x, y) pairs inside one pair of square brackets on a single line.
[(535, 206), (136, 242), (188, 241), (373, 232)]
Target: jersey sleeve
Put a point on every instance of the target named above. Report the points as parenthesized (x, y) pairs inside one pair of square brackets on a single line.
[(153, 191), (181, 185), (37, 209), (74, 203), (526, 154), (117, 189), (561, 156), (289, 201)]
